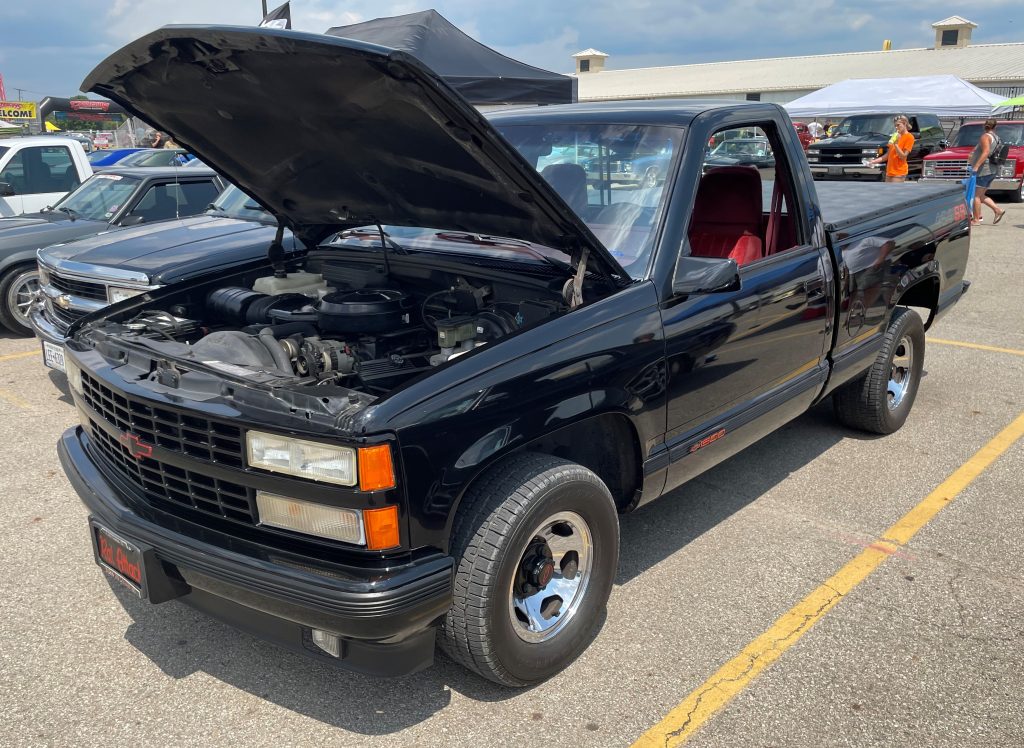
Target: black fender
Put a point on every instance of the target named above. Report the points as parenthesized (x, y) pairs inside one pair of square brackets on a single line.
[(604, 360)]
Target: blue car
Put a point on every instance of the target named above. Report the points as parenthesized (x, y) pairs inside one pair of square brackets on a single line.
[(110, 156)]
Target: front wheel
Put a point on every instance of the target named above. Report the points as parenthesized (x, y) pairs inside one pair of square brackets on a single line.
[(1017, 195), (881, 399), (17, 291), (536, 546)]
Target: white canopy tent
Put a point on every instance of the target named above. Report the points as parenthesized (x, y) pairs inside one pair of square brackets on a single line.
[(941, 95)]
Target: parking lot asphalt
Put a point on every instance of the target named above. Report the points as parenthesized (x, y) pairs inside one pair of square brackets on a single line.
[(926, 650)]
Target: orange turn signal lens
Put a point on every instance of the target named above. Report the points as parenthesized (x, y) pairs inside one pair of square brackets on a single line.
[(376, 470), (381, 527)]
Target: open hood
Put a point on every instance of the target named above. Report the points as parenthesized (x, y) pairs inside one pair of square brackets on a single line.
[(330, 133)]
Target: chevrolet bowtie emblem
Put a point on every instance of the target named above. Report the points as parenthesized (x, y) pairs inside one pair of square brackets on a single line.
[(135, 446)]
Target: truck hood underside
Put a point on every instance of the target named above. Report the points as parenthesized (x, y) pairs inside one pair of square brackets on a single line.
[(330, 133)]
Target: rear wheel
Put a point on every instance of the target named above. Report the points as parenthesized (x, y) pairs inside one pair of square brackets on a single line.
[(17, 290), (881, 399), (536, 547)]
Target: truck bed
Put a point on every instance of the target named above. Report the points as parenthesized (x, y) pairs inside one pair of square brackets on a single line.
[(846, 203)]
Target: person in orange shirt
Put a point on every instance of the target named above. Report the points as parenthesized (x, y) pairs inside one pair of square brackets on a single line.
[(899, 149)]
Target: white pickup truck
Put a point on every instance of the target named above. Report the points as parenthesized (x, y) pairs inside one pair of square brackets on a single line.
[(37, 171)]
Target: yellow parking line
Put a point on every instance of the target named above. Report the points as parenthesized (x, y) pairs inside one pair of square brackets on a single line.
[(978, 346), (10, 397), (735, 675), (12, 356)]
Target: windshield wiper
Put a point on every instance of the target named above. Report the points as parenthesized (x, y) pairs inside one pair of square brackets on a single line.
[(215, 207), (72, 213), (369, 235)]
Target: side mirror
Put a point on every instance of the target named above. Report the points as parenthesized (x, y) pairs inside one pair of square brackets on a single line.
[(943, 144), (705, 275), (131, 220), (6, 190)]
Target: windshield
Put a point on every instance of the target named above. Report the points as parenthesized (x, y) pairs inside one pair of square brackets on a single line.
[(99, 197), (970, 134), (867, 124), (742, 148), (236, 204), (612, 176)]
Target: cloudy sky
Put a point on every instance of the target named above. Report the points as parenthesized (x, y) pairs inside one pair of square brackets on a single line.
[(47, 47)]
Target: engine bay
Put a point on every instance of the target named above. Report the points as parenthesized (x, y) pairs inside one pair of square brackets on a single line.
[(335, 323)]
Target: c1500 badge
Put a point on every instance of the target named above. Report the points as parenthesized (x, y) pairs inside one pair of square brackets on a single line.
[(707, 440)]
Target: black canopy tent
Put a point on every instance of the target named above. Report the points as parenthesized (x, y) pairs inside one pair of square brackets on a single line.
[(480, 74)]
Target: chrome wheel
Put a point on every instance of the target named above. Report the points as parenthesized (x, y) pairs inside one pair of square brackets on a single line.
[(551, 577), (900, 372), (21, 293)]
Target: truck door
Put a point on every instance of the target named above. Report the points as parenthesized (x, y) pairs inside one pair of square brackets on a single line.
[(38, 176), (743, 360)]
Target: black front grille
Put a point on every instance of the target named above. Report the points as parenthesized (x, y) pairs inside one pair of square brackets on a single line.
[(168, 486), (213, 441), (840, 156), (82, 289)]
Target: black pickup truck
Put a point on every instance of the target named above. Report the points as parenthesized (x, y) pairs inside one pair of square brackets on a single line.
[(865, 136), (437, 442)]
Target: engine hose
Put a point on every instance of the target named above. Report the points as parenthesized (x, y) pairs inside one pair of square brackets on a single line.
[(277, 352)]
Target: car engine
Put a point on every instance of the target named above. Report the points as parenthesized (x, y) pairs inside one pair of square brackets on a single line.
[(366, 337)]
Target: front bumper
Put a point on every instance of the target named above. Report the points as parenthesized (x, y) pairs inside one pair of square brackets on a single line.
[(1001, 184), (384, 618), (43, 328), (846, 171)]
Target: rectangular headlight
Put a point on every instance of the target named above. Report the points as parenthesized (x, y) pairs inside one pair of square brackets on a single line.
[(307, 517), (282, 454), (869, 151), (73, 373), (1009, 168), (116, 293)]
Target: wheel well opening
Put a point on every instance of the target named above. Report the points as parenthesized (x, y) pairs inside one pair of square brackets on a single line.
[(606, 444), (923, 294)]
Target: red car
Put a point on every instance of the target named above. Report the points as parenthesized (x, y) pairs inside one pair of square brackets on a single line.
[(803, 134), (951, 164)]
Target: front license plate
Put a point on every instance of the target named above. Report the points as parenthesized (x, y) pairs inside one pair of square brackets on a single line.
[(53, 356), (118, 558)]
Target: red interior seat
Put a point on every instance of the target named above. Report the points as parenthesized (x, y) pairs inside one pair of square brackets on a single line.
[(727, 215)]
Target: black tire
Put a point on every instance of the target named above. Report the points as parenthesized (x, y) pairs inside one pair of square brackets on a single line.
[(1017, 195), (18, 277), (881, 399), (493, 532)]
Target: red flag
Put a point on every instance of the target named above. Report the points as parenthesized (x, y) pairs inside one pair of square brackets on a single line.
[(3, 93)]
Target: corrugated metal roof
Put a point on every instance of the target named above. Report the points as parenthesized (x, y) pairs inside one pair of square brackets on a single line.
[(978, 63)]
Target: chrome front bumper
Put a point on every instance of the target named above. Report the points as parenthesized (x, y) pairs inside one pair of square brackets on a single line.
[(999, 184)]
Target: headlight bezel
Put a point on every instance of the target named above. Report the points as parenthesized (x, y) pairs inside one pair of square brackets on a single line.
[(128, 290), (294, 447)]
